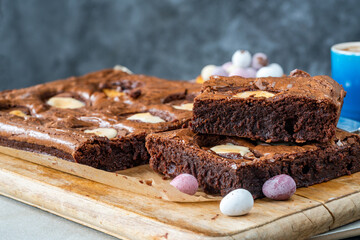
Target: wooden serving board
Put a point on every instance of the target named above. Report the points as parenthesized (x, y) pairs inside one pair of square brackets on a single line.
[(128, 215)]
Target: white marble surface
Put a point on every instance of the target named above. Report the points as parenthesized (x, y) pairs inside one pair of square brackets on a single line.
[(21, 221)]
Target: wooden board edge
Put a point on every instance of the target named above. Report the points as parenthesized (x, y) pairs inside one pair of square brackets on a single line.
[(341, 212), (124, 179), (301, 225), (91, 213), (58, 206), (257, 232), (261, 232)]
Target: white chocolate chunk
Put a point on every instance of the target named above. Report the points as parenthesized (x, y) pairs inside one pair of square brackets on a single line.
[(230, 148), (185, 106), (103, 132), (339, 143), (256, 94), (146, 118), (65, 102), (233, 166), (122, 68), (18, 113), (112, 93)]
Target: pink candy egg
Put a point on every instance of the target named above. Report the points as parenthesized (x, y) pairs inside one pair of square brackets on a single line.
[(220, 71), (280, 187), (251, 73), (243, 72), (238, 72), (185, 183), (227, 66)]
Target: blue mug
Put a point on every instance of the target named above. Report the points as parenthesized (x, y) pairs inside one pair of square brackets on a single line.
[(345, 69)]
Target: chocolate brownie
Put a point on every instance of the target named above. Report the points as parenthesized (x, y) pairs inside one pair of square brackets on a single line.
[(222, 163), (100, 119), (297, 108)]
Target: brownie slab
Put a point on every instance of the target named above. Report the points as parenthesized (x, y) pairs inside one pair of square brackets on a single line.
[(222, 164), (297, 108), (99, 119)]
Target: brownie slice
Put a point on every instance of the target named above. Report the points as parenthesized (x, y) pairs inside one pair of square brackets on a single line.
[(100, 119), (297, 108), (222, 164)]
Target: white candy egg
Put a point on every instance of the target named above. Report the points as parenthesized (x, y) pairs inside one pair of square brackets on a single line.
[(277, 68), (241, 59), (237, 202), (273, 70), (207, 71), (265, 72)]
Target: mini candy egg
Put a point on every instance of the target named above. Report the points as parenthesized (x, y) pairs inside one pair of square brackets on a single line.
[(259, 60), (220, 72), (231, 68), (280, 187), (227, 66), (207, 71), (241, 59), (185, 183), (272, 70), (243, 72), (277, 68), (237, 202), (238, 72), (251, 72), (199, 79)]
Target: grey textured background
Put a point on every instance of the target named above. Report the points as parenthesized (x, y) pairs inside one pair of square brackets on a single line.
[(43, 40)]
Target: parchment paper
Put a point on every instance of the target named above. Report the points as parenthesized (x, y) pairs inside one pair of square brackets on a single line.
[(141, 180)]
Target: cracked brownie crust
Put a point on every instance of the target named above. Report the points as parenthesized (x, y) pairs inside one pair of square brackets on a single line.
[(183, 151), (96, 119)]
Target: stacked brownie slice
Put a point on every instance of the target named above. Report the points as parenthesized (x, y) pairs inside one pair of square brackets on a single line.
[(247, 130)]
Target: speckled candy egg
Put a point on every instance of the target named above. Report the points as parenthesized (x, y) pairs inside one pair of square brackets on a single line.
[(227, 66), (237, 202), (238, 72), (243, 72), (251, 72), (185, 183), (220, 71), (241, 59), (259, 60), (280, 187)]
